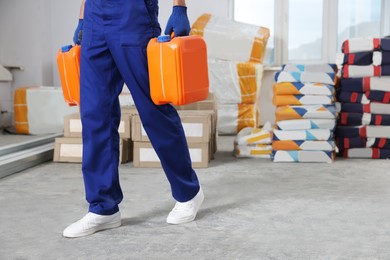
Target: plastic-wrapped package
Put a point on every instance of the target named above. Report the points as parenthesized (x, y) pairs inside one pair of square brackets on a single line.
[(357, 119), (307, 111), (306, 77), (366, 153), (364, 98), (363, 131), (357, 71), (234, 117), (235, 82), (254, 151), (323, 67), (253, 136), (283, 100), (361, 142), (375, 108), (303, 156), (298, 88), (365, 44), (304, 124), (308, 135), (40, 110), (366, 84), (303, 145), (230, 40)]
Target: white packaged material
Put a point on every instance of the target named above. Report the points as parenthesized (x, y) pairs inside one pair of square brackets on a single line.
[(234, 117), (235, 82), (230, 40), (253, 136), (40, 110)]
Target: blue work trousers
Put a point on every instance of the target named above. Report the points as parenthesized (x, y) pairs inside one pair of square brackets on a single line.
[(113, 51)]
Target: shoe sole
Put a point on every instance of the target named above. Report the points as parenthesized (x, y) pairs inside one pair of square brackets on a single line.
[(96, 229), (186, 220)]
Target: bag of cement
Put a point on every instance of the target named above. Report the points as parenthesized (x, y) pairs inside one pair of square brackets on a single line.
[(230, 40)]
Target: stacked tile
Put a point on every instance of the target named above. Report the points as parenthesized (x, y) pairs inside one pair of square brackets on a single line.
[(305, 113), (235, 69), (363, 129)]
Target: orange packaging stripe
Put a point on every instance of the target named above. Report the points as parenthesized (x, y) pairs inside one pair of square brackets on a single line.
[(285, 145), (259, 45), (285, 88), (247, 80), (247, 116), (200, 24), (286, 113), (20, 111), (260, 152), (282, 100)]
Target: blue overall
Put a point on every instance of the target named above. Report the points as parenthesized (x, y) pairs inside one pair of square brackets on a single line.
[(113, 51)]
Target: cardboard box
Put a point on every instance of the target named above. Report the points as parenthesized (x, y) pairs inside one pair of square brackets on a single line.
[(73, 127), (145, 156), (197, 128), (71, 150)]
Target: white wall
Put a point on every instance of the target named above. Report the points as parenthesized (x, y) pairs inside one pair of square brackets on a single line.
[(33, 30)]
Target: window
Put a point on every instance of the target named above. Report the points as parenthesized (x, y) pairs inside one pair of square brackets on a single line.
[(358, 18), (305, 30), (312, 30), (264, 16)]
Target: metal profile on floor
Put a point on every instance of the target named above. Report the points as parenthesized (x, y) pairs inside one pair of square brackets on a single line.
[(21, 156)]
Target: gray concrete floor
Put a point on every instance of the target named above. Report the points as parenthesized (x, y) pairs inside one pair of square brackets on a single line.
[(254, 209)]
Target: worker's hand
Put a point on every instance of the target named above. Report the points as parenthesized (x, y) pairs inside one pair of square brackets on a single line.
[(178, 22), (78, 34)]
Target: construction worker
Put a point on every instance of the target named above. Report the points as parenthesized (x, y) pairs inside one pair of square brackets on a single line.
[(113, 35)]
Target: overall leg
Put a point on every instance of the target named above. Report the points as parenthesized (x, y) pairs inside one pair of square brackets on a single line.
[(161, 123), (100, 85)]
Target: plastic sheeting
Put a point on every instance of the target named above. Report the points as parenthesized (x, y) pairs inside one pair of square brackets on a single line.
[(40, 110), (235, 82), (230, 40), (234, 117)]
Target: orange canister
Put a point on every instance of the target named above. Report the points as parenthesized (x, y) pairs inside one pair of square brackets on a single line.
[(68, 61), (178, 71)]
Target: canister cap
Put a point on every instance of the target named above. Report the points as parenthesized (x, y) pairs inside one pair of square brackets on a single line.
[(66, 48), (164, 38)]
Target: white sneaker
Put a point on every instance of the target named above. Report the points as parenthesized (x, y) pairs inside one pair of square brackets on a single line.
[(92, 223), (185, 212)]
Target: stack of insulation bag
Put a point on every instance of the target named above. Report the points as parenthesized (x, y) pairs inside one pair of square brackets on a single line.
[(235, 54), (306, 115), (363, 129)]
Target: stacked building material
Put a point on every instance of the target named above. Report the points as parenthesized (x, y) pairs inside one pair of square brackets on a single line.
[(254, 142), (305, 113), (235, 69), (363, 129)]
